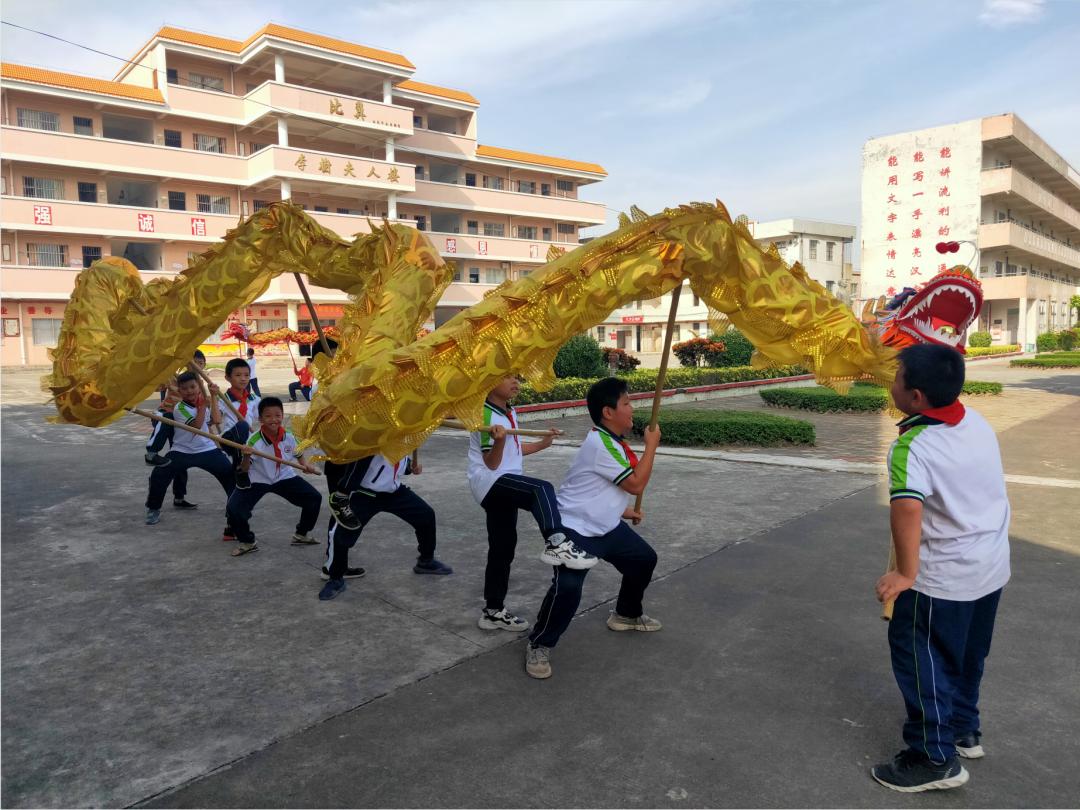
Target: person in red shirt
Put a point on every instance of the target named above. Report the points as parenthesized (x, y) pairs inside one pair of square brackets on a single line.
[(304, 384)]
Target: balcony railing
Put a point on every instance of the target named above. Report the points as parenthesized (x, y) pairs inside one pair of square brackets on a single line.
[(1003, 179), (474, 198), (1012, 235)]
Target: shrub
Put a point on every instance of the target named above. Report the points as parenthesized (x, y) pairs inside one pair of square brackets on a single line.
[(1046, 342), (980, 340), (580, 357), (863, 397), (1056, 360), (623, 360), (983, 351), (701, 428), (644, 380), (737, 350), (698, 351), (1067, 339)]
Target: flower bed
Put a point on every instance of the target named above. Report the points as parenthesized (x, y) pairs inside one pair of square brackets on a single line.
[(690, 428)]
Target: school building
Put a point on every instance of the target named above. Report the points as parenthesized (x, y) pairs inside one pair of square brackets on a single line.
[(156, 164), (994, 185)]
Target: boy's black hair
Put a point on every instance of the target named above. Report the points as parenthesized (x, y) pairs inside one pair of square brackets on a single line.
[(234, 364), (270, 402), (602, 394), (187, 376), (250, 351), (316, 347), (198, 355), (937, 371)]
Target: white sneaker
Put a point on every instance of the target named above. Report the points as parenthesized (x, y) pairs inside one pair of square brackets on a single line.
[(560, 551), (501, 619), (537, 662)]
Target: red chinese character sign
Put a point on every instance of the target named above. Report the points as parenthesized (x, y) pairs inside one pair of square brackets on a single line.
[(198, 226), (43, 215), (481, 247), (146, 223), (451, 245), (917, 188)]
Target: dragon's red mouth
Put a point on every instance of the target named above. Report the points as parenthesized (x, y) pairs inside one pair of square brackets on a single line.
[(941, 314)]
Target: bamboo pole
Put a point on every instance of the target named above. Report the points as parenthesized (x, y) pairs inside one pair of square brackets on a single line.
[(887, 607), (314, 316), (218, 439), (661, 377), (540, 434)]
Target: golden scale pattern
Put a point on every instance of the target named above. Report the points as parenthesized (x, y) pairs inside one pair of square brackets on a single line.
[(386, 392)]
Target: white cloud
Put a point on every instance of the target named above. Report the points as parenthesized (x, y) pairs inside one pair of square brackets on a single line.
[(1003, 13)]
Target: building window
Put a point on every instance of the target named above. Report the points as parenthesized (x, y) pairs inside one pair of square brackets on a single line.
[(600, 333), (457, 274), (39, 119), (470, 179), (88, 192), (45, 188), (171, 76), (494, 229), (210, 143), (418, 121), (697, 327), (829, 246), (494, 275), (419, 172), (212, 205), (259, 205), (526, 186), (546, 234), (321, 209), (474, 275), (564, 187), (45, 255), (46, 331), (472, 226), (83, 126), (178, 201), (173, 139), (545, 189), (525, 231), (567, 233), (813, 248), (697, 300), (829, 285), (494, 183), (421, 222), (258, 147), (206, 82), (90, 255)]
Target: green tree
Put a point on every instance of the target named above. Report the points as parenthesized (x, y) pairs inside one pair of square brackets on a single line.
[(737, 350), (580, 356), (1074, 304)]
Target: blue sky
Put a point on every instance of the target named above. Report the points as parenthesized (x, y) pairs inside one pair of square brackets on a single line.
[(764, 104)]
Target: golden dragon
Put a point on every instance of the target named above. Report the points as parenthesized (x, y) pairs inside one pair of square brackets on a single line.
[(386, 392)]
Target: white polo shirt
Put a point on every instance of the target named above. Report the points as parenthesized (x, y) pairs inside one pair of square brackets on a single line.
[(590, 499), (265, 471), (955, 470), (377, 475), (481, 479), (184, 441), (251, 365), (250, 405)]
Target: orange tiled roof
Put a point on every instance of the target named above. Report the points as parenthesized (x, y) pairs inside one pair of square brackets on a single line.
[(541, 160), (434, 90), (283, 32), (73, 82)]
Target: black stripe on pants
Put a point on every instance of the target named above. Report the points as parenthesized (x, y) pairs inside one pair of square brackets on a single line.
[(507, 495), (213, 461), (622, 547), (295, 490), (403, 503)]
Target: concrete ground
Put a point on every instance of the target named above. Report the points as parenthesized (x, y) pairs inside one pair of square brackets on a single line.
[(144, 665)]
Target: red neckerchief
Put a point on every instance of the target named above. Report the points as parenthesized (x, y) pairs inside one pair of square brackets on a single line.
[(509, 414), (631, 456), (950, 414), (276, 443), (242, 399)]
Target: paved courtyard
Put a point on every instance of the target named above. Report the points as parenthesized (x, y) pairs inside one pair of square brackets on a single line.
[(143, 665)]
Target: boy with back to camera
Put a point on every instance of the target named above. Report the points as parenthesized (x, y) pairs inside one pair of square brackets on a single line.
[(593, 502), (949, 514)]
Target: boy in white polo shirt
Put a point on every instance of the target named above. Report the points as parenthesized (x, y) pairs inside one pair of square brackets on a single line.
[(593, 501), (950, 528), (499, 486), (269, 477), (239, 393)]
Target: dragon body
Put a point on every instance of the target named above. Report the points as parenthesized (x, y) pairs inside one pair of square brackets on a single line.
[(384, 390)]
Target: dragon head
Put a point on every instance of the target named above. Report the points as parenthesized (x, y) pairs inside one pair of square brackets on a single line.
[(938, 312)]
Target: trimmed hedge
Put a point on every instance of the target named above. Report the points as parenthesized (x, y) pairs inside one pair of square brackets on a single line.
[(863, 397), (980, 340), (1054, 360), (643, 380), (982, 351), (690, 428)]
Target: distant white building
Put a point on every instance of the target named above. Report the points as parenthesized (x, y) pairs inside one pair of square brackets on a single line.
[(992, 182)]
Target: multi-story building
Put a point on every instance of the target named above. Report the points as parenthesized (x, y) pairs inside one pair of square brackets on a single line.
[(196, 131), (823, 248), (994, 185)]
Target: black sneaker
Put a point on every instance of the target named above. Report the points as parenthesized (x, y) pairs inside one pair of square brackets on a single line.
[(184, 503), (331, 589), (350, 573), (432, 566), (343, 512), (154, 460), (243, 480), (912, 772), (968, 746)]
